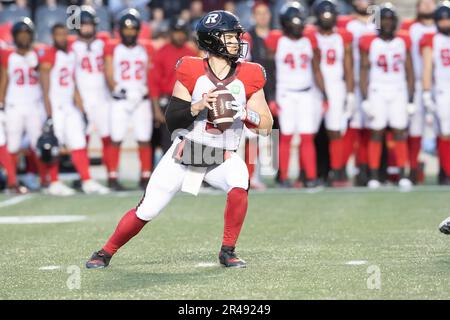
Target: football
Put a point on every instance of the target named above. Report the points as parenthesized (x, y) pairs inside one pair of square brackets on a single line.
[(221, 114)]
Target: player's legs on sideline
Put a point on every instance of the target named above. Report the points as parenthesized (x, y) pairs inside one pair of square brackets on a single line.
[(398, 121), (334, 119), (374, 152), (232, 177), (119, 124), (73, 134), (443, 115), (14, 128), (98, 113), (164, 183), (143, 126), (416, 129), (288, 123), (401, 155), (307, 126)]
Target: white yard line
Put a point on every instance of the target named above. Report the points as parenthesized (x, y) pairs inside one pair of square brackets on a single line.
[(15, 200), (40, 219)]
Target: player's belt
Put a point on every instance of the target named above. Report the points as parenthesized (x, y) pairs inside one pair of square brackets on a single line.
[(194, 154), (123, 97), (299, 90)]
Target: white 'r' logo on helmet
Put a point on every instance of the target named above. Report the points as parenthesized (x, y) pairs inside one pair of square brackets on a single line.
[(212, 19)]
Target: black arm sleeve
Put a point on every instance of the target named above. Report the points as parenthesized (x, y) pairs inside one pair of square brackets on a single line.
[(178, 114)]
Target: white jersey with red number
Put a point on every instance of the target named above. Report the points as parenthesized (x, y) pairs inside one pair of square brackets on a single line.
[(23, 78), (416, 32), (293, 60), (441, 58), (387, 59), (130, 64), (89, 75), (357, 28), (332, 49), (62, 82), (195, 74)]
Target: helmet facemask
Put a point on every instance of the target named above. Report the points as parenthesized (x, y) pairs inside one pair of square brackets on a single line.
[(327, 21), (294, 28), (218, 44)]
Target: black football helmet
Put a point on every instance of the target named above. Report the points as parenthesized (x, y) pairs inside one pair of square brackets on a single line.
[(129, 19), (47, 146), (24, 24), (442, 12), (293, 18), (326, 13), (87, 15), (388, 12), (212, 27)]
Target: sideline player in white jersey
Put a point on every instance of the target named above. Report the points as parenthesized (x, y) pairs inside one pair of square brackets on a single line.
[(127, 67), (61, 99), (417, 28), (436, 75), (220, 35), (387, 87), (297, 61), (336, 64), (20, 93), (91, 83), (357, 136)]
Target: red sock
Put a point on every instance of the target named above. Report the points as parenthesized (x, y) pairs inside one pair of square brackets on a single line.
[(235, 211), (414, 145), (114, 156), (336, 152), (80, 161), (53, 171), (401, 153), (374, 153), (362, 154), (348, 143), (285, 151), (106, 152), (444, 155), (7, 161), (145, 156), (128, 227), (251, 151), (308, 156), (41, 168)]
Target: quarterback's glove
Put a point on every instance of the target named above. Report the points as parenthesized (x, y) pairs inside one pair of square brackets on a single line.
[(250, 118), (240, 111), (411, 108), (119, 93), (350, 105), (367, 108), (428, 102)]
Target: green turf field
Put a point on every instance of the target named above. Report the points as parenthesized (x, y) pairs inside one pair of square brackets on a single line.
[(297, 246)]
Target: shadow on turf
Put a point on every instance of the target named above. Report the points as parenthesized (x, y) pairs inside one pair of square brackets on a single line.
[(135, 279)]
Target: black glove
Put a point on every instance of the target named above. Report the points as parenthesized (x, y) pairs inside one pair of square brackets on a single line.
[(119, 94)]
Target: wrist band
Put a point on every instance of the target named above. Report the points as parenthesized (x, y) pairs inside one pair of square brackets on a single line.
[(253, 119)]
